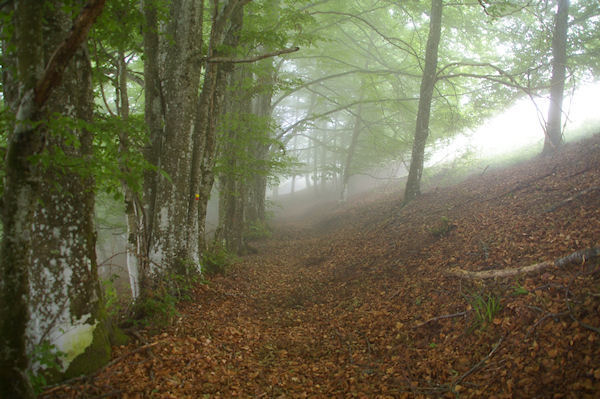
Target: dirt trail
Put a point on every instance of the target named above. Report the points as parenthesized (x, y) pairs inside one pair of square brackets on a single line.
[(346, 306)]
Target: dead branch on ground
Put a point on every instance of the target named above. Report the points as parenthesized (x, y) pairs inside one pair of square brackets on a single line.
[(479, 365), (446, 316), (581, 256), (571, 198)]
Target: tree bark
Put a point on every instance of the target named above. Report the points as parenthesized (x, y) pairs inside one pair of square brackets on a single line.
[(51, 286), (172, 82), (351, 149), (554, 137), (428, 80), (585, 255), (226, 26)]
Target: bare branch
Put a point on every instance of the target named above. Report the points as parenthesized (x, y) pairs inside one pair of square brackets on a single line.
[(576, 257), (250, 59)]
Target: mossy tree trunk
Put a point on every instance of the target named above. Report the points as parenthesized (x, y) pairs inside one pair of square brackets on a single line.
[(172, 77), (50, 289), (226, 27)]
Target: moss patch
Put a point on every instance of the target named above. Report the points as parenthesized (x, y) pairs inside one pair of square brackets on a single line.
[(95, 356), (117, 336)]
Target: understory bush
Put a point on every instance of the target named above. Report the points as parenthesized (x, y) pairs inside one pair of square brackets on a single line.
[(216, 261)]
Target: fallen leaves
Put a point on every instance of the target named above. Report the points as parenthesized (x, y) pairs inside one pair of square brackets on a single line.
[(357, 304)]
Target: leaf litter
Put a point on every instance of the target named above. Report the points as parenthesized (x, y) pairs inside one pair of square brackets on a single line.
[(354, 301)]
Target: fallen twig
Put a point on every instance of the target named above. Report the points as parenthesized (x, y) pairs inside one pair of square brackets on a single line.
[(548, 316), (479, 365), (446, 316), (575, 257), (571, 198)]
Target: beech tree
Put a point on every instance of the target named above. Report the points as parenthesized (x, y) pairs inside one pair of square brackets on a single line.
[(50, 289), (553, 129)]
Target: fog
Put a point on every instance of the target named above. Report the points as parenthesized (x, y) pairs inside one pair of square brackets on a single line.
[(515, 132)]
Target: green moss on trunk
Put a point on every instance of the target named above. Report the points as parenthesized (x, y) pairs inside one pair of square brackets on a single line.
[(95, 356)]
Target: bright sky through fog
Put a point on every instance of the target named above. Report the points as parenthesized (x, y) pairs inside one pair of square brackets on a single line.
[(519, 126)]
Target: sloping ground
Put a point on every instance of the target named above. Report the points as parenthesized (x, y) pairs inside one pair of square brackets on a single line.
[(360, 304)]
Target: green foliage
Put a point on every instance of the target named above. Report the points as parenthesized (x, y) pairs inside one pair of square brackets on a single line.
[(111, 299), (46, 359), (518, 289), (485, 307), (113, 165), (258, 230), (240, 159), (216, 261), (156, 311)]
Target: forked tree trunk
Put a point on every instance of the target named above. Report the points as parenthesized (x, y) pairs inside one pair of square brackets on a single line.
[(226, 26)]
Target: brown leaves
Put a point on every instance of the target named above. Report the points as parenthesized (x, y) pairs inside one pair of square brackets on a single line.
[(332, 313)]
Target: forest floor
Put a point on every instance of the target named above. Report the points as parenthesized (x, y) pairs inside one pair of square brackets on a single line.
[(357, 301)]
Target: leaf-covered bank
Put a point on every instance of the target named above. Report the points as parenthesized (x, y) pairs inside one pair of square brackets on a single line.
[(357, 302)]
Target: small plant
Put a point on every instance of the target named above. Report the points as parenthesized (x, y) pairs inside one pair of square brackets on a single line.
[(159, 307), (156, 311), (518, 289), (443, 228), (258, 230), (485, 308), (113, 307), (216, 261), (45, 359)]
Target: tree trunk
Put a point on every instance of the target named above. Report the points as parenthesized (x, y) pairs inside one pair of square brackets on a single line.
[(554, 138), (18, 203), (133, 210), (171, 101), (350, 152), (413, 184), (154, 110), (50, 291), (226, 26)]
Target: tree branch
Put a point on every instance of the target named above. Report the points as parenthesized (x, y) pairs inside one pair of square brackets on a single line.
[(62, 55), (250, 59), (576, 257)]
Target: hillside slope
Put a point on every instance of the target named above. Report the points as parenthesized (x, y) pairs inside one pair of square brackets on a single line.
[(359, 303)]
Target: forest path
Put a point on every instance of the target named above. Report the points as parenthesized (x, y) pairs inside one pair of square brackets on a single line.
[(343, 304)]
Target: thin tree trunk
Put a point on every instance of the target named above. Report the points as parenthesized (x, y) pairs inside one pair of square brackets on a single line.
[(350, 151), (413, 184), (554, 137)]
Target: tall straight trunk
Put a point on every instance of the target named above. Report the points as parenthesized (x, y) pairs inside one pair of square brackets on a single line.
[(350, 151), (554, 137), (257, 191), (154, 109), (66, 297), (18, 203), (133, 209), (173, 76), (50, 291), (413, 184)]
